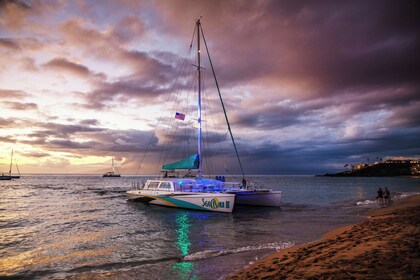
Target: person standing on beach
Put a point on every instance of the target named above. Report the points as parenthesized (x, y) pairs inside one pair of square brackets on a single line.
[(380, 196), (387, 195)]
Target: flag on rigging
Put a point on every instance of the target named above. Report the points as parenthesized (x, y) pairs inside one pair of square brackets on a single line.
[(179, 116)]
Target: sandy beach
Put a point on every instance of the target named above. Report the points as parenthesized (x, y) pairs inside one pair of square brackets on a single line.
[(385, 246)]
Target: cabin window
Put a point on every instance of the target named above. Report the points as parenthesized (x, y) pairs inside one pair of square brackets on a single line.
[(165, 185), (153, 185)]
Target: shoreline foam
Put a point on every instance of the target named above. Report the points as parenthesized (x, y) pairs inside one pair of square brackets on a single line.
[(386, 245)]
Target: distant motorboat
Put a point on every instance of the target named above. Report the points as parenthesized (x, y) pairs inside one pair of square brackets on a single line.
[(112, 173)]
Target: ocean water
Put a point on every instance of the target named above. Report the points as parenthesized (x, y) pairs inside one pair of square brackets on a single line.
[(83, 227)]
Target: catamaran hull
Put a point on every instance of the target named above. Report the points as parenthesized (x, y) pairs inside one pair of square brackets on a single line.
[(257, 198), (215, 202)]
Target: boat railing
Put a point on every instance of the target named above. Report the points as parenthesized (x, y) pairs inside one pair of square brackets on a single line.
[(137, 185), (232, 185), (239, 185)]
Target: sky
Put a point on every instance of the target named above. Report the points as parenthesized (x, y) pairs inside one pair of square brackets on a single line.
[(309, 86)]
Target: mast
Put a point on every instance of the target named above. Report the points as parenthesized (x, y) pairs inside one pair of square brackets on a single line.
[(198, 26), (11, 160), (113, 168)]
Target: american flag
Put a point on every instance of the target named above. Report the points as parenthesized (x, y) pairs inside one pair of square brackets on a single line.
[(179, 116)]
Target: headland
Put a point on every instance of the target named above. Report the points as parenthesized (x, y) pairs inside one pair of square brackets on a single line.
[(389, 168)]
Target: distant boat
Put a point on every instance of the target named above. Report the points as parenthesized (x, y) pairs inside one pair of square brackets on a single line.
[(9, 176), (112, 173), (4, 177)]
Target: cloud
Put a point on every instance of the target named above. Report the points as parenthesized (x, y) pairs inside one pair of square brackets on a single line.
[(62, 64), (59, 163), (74, 32), (14, 94), (128, 29), (106, 92), (326, 47), (89, 122), (13, 13), (35, 154), (9, 44), (4, 123), (20, 106)]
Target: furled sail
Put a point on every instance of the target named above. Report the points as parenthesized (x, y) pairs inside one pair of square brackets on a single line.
[(190, 162)]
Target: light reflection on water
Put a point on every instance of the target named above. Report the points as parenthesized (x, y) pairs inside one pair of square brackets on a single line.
[(183, 268), (83, 226)]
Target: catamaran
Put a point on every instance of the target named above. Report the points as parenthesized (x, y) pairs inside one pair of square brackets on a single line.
[(201, 193), (112, 173), (185, 193), (192, 193)]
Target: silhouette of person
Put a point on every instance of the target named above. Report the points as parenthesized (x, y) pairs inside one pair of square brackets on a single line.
[(380, 196), (243, 183), (387, 195)]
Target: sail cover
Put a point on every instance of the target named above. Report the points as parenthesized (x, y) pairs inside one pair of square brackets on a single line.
[(190, 162)]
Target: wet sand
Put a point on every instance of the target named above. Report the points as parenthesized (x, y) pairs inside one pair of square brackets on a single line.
[(385, 246)]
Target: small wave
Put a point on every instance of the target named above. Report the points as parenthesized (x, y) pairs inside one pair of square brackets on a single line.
[(395, 196), (216, 253), (121, 265), (366, 202), (399, 195)]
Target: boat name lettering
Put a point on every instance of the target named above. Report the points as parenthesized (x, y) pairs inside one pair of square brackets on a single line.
[(215, 203)]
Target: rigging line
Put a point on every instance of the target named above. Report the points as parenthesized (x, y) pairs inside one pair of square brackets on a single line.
[(170, 135), (223, 105), (190, 110), (218, 139), (221, 137), (161, 114), (17, 167), (187, 108), (206, 139), (193, 36), (179, 92)]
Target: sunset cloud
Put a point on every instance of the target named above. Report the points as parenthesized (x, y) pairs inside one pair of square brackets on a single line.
[(9, 43), (20, 106), (307, 85), (12, 94), (62, 64)]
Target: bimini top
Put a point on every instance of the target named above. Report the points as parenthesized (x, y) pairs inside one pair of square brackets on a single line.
[(190, 162)]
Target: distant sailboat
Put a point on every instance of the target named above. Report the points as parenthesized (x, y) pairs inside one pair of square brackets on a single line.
[(112, 173), (9, 176)]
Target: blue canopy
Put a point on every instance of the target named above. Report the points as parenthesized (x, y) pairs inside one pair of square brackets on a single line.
[(190, 162)]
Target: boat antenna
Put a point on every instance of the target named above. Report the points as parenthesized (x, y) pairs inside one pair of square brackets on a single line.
[(223, 105), (200, 161)]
